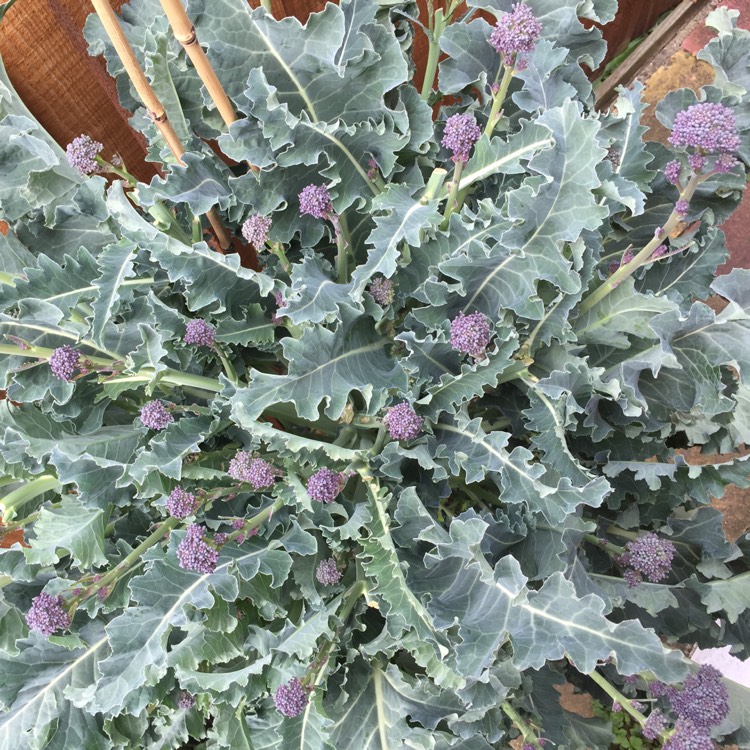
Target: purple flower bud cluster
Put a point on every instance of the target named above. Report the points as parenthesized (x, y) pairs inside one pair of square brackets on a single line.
[(290, 698), (697, 162), (688, 737), (660, 252), (681, 207), (185, 699), (403, 422), (181, 504), (255, 471), (155, 416), (650, 556), (199, 332), (673, 170), (316, 201), (220, 538), (325, 485), (194, 554), (81, 153), (327, 572), (706, 126), (459, 136), (64, 362), (724, 163), (382, 290), (238, 523), (655, 725), (279, 298), (255, 230), (703, 700), (47, 614), (471, 334), (516, 33)]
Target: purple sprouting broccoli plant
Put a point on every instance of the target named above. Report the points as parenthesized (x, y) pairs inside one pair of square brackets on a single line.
[(47, 614), (81, 153), (245, 467), (291, 698), (471, 334), (687, 736), (325, 485), (403, 422), (459, 136), (155, 415), (703, 700), (649, 556), (516, 34), (328, 572), (185, 700), (255, 230), (193, 553), (181, 504), (315, 200), (199, 332), (382, 291), (64, 362)]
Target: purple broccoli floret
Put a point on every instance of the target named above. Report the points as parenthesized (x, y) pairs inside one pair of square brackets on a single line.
[(459, 136), (181, 504), (47, 614), (64, 362), (681, 207), (199, 332), (688, 737), (382, 290), (403, 422), (255, 230), (316, 201), (708, 127), (81, 153), (325, 485), (516, 33), (673, 170), (650, 556), (255, 471), (655, 725), (290, 698), (704, 699), (185, 699), (194, 554), (470, 334), (327, 572), (155, 416)]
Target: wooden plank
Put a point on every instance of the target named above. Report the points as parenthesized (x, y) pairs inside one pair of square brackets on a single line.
[(653, 44)]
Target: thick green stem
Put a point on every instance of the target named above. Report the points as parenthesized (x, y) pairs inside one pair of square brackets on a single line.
[(434, 185), (257, 519), (617, 696), (498, 100), (353, 593), (127, 562), (231, 373), (608, 547), (343, 246), (526, 731), (627, 269), (196, 229), (19, 497), (452, 204), (433, 55), (278, 250)]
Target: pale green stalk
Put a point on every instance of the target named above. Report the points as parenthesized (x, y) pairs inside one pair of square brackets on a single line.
[(19, 497)]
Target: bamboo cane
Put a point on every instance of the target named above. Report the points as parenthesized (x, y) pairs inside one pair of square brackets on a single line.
[(184, 32), (150, 100)]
